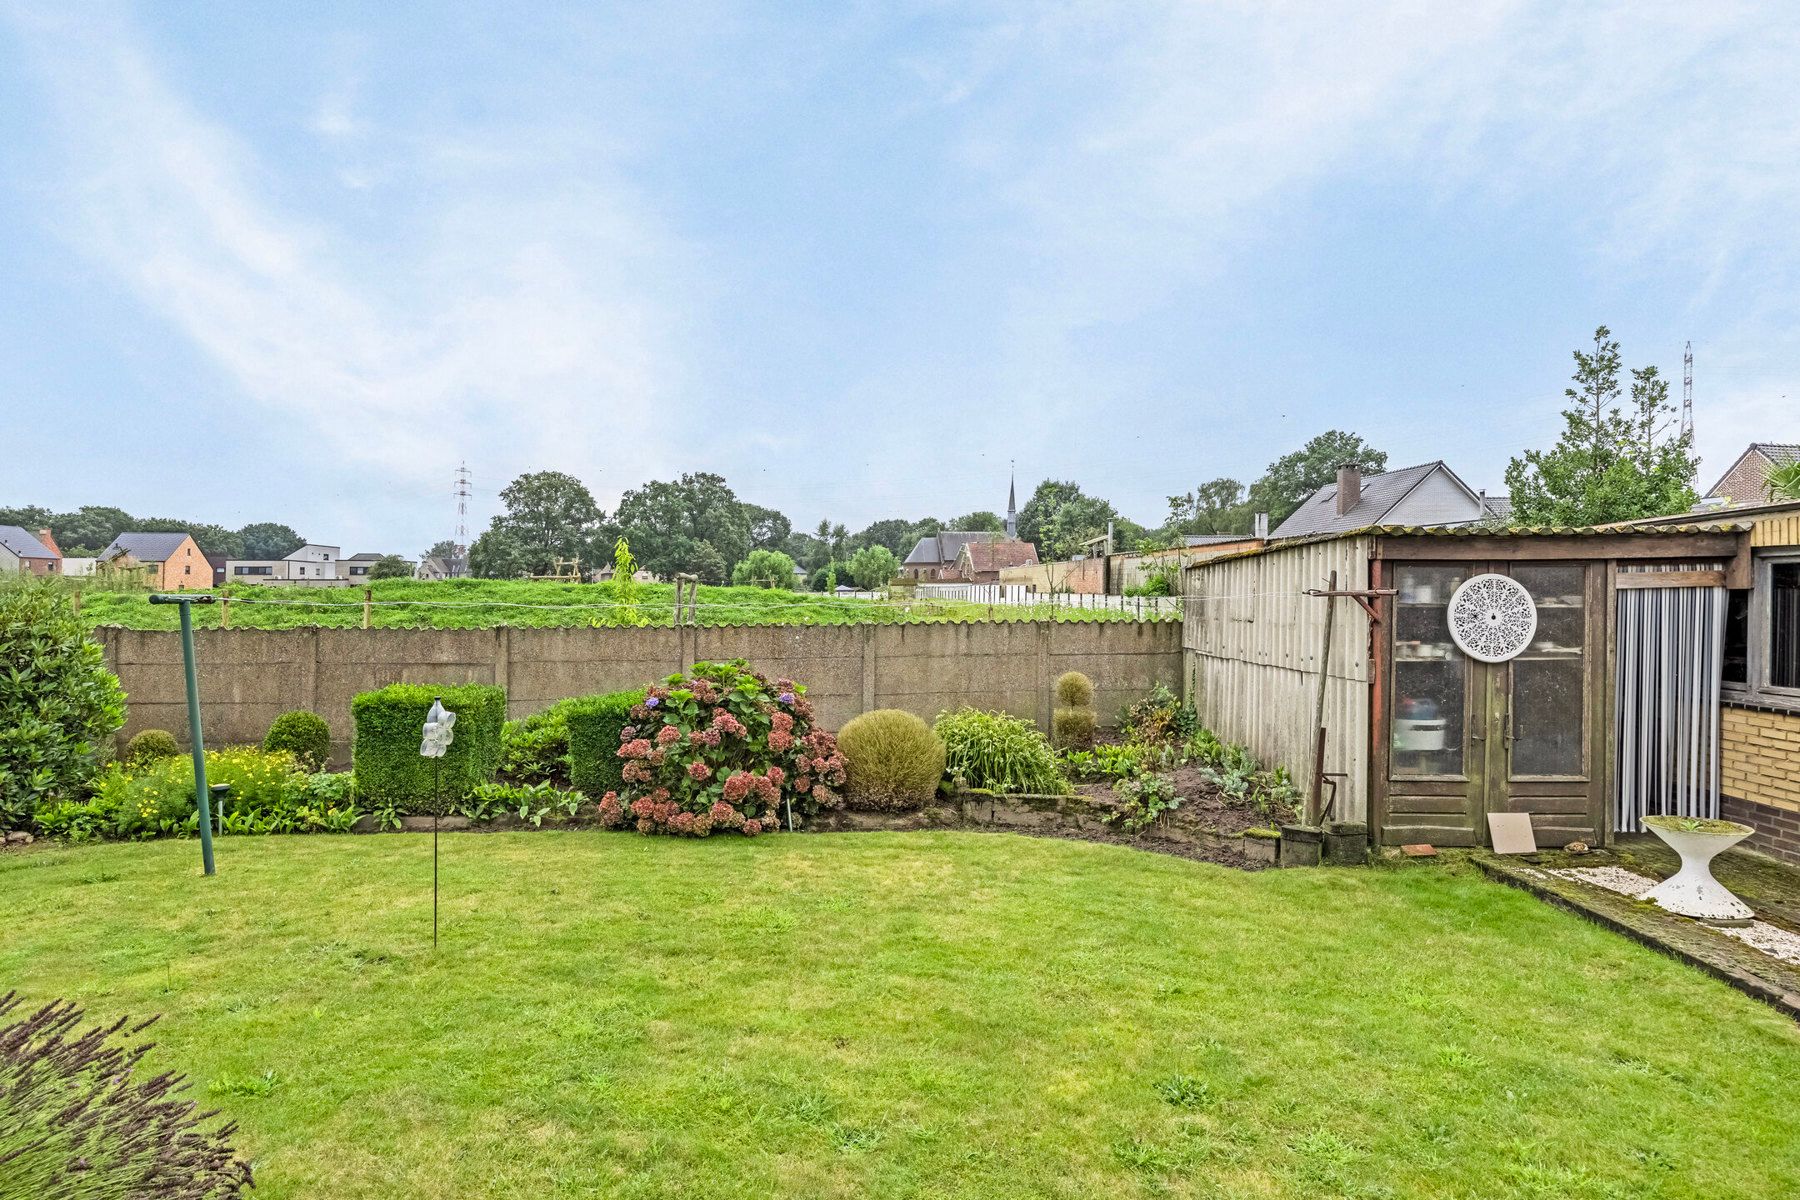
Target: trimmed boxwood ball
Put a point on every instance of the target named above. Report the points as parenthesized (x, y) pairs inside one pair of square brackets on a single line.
[(384, 755), (594, 722), (304, 735), (1074, 690), (148, 745), (893, 761)]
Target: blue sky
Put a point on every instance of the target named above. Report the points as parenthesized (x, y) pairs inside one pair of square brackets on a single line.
[(297, 262)]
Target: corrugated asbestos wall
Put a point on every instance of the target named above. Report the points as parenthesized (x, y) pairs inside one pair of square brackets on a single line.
[(1251, 645)]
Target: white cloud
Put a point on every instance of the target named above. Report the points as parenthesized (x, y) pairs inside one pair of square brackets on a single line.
[(527, 316)]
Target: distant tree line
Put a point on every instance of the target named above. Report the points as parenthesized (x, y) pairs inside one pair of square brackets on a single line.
[(90, 528)]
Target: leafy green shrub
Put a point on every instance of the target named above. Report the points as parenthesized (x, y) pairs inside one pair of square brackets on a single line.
[(1141, 801), (148, 745), (304, 735), (892, 760), (999, 752), (267, 794), (390, 722), (59, 704), (1105, 762), (536, 749), (594, 724), (1160, 719), (70, 1097), (722, 748), (530, 802)]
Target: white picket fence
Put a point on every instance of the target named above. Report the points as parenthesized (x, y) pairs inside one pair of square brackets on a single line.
[(1147, 608)]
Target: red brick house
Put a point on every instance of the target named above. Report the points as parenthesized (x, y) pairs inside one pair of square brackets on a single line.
[(1746, 480), (982, 562), (22, 551)]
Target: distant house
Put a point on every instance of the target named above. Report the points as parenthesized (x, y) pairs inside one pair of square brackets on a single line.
[(982, 562), (431, 568), (1424, 496), (933, 560), (168, 561), (217, 563), (1746, 481), (312, 565), (356, 567), (23, 551), (605, 575)]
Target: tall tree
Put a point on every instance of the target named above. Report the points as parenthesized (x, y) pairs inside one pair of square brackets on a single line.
[(549, 515), (765, 569), (769, 530), (893, 532), (1060, 517), (390, 566), (979, 521), (694, 525), (267, 539), (1293, 477), (445, 550), (1216, 506), (1613, 462), (873, 567)]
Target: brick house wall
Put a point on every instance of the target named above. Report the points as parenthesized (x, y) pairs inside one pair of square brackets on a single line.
[(1746, 482), (1760, 768), (186, 569)]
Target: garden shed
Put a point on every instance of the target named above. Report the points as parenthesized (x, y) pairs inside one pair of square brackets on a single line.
[(1570, 674)]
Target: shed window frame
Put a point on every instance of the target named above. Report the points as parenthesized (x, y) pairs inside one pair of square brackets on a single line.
[(1758, 690)]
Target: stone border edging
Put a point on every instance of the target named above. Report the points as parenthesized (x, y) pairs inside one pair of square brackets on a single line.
[(1717, 963)]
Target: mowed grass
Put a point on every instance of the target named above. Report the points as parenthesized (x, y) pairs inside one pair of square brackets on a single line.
[(486, 603), (903, 1015)]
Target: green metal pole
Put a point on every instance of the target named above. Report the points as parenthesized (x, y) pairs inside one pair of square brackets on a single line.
[(202, 796)]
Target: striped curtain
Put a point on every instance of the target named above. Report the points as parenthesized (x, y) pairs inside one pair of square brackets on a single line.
[(1670, 645)]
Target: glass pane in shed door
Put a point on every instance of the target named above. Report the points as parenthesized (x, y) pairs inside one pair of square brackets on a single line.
[(1549, 680), (1430, 675)]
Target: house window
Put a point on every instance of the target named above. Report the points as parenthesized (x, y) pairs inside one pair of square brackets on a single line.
[(187, 570), (1762, 634), (1784, 624), (359, 570)]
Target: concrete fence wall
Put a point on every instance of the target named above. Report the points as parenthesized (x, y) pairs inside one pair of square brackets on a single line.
[(249, 676)]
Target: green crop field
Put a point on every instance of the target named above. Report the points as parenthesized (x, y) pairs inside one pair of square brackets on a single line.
[(955, 1015), (485, 603)]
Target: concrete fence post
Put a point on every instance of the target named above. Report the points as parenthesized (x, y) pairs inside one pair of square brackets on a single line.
[(868, 668), (1042, 659)]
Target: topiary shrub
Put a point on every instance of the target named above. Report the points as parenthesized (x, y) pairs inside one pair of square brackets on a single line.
[(302, 734), (59, 705), (1074, 690), (80, 1117), (384, 755), (722, 748), (148, 745), (892, 761), (1074, 722), (999, 752), (594, 724)]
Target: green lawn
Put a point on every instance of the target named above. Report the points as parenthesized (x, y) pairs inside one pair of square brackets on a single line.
[(901, 1015), (485, 603)]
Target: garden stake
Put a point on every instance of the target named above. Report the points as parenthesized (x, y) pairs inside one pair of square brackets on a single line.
[(438, 725), (202, 794)]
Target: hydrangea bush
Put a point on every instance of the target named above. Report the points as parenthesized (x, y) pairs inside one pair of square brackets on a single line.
[(722, 748)]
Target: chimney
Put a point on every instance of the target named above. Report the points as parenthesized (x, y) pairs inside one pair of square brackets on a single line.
[(1349, 492), (49, 542), (1262, 527)]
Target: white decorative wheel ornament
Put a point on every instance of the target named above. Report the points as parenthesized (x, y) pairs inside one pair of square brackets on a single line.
[(1492, 618)]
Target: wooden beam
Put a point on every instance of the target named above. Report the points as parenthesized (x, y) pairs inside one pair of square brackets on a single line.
[(1670, 579)]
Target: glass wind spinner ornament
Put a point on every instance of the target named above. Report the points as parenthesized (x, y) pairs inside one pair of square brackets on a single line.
[(439, 723), (1492, 618)]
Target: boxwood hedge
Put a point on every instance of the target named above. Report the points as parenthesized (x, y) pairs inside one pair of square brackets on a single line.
[(389, 723), (594, 725)]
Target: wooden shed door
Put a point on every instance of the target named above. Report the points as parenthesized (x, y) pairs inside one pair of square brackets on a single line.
[(1464, 738)]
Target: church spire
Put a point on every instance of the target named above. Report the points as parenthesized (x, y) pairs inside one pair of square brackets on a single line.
[(1012, 506)]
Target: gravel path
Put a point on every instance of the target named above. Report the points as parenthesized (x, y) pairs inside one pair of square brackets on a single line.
[(1772, 940)]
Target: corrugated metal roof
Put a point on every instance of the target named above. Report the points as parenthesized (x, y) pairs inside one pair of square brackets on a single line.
[(23, 542), (1484, 530), (145, 547)]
